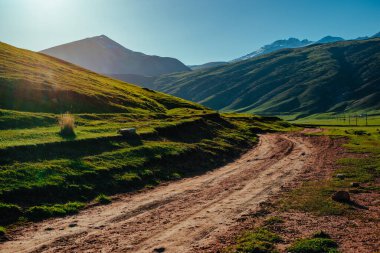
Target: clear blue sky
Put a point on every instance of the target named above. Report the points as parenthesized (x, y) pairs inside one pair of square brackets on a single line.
[(194, 31)]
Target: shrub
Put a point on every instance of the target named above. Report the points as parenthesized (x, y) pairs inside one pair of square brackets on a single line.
[(43, 212), (130, 177), (360, 132), (314, 245), (67, 124), (3, 231), (9, 213), (103, 199)]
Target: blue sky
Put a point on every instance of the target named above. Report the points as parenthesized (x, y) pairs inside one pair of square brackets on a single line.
[(194, 31)]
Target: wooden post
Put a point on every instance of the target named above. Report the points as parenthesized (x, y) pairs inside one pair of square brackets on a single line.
[(366, 119), (356, 118)]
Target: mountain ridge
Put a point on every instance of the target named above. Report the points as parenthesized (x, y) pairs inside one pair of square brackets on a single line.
[(294, 43), (334, 77)]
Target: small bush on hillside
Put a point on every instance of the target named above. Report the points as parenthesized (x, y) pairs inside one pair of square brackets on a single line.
[(103, 199), (67, 124), (9, 213), (43, 212)]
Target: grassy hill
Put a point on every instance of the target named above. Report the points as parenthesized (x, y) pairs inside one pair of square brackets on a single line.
[(39, 83), (44, 173), (335, 77)]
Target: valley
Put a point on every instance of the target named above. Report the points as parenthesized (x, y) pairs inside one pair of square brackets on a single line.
[(108, 149)]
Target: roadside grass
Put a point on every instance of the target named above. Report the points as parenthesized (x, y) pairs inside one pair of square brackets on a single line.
[(36, 213), (3, 231), (315, 196), (314, 245), (42, 174), (103, 199), (260, 240), (340, 120)]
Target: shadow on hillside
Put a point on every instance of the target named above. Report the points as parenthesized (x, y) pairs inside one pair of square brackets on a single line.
[(69, 149)]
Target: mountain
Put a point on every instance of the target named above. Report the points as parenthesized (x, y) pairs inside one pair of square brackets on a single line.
[(362, 38), (294, 43), (334, 77), (329, 39), (277, 45), (103, 55), (377, 35), (37, 82), (207, 65)]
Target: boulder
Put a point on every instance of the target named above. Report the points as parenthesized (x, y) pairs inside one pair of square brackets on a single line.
[(340, 176), (127, 131), (341, 196), (355, 184)]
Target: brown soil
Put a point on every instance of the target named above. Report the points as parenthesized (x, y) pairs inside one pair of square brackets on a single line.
[(198, 214)]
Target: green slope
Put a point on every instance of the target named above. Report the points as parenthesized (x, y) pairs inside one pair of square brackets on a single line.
[(336, 77), (35, 82)]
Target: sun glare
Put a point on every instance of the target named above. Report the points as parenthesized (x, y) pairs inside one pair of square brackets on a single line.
[(45, 5)]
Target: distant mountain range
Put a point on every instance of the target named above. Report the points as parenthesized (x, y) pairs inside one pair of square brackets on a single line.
[(337, 77), (291, 43), (278, 45), (103, 55)]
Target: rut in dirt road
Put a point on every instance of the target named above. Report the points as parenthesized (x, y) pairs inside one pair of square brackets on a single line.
[(182, 216)]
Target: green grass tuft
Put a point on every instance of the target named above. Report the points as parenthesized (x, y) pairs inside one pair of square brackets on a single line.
[(9, 213), (257, 241), (103, 199), (3, 231), (42, 212), (314, 245)]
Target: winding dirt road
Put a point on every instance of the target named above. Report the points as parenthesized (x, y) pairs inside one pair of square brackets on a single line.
[(181, 216)]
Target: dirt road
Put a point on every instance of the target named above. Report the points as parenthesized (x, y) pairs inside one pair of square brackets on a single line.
[(182, 216)]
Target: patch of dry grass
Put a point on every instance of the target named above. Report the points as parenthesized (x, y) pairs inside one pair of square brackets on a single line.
[(66, 122)]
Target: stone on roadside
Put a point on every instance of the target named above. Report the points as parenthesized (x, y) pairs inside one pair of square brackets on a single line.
[(341, 196)]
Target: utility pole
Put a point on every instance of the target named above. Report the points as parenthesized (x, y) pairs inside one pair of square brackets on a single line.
[(356, 118), (366, 119)]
